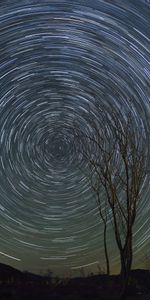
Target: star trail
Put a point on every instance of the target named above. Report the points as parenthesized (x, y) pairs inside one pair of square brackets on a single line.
[(64, 62)]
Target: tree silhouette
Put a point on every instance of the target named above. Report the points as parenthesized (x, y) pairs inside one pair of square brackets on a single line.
[(117, 164)]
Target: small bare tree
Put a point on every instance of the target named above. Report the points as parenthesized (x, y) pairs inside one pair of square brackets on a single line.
[(115, 157), (103, 212), (95, 184)]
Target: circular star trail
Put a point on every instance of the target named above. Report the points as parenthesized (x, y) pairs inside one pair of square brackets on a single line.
[(63, 63)]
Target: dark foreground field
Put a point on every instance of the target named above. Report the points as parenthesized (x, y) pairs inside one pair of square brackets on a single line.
[(17, 285)]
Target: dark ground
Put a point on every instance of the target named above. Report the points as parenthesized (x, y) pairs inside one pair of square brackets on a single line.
[(16, 285)]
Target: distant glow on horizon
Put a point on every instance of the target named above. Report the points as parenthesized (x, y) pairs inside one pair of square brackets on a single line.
[(64, 62)]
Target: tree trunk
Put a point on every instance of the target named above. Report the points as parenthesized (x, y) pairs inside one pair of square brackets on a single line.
[(126, 263), (106, 252), (123, 278)]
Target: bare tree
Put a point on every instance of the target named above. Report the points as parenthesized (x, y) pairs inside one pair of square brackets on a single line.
[(115, 156), (103, 212), (95, 184)]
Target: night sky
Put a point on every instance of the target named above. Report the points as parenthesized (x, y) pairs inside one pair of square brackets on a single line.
[(64, 62)]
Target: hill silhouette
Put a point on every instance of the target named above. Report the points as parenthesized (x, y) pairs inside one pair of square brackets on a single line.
[(17, 285)]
